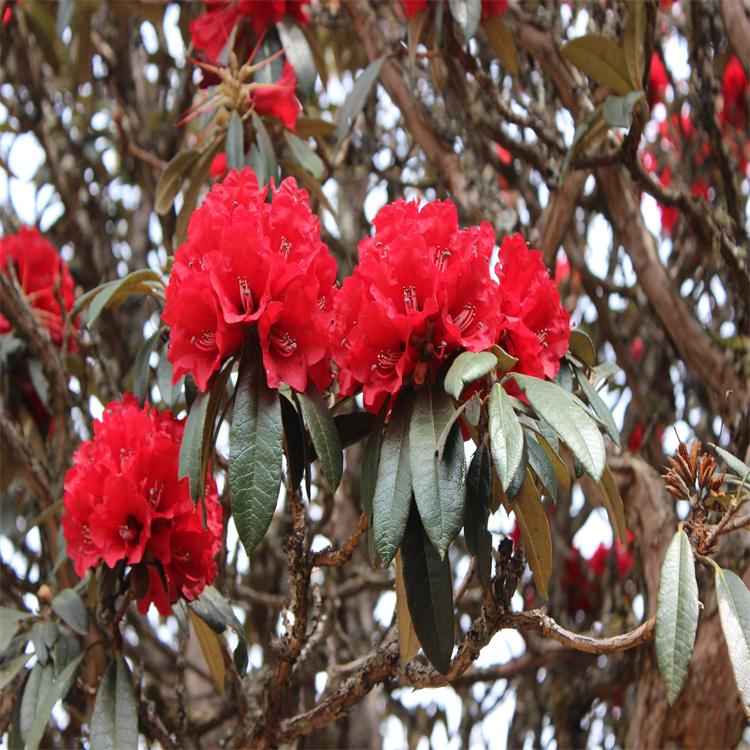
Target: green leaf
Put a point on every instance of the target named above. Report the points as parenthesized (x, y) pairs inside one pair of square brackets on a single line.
[(438, 485), (357, 98), (506, 435), (58, 689), (255, 448), (501, 41), (235, 143), (614, 505), (371, 462), (596, 402), (106, 295), (740, 468), (569, 419), (265, 148), (618, 110), (353, 427), (170, 393), (466, 368), (734, 610), (38, 684), (191, 448), (294, 440), (391, 500), (69, 607), (171, 179), (297, 51), (429, 592), (558, 465), (676, 615), (467, 14), (11, 669), (478, 491), (324, 435), (141, 366), (38, 639), (114, 722), (601, 59), (541, 465), (307, 158), (505, 361), (9, 619), (582, 346)]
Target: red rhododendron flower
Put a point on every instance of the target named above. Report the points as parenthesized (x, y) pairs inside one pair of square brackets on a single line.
[(278, 99), (421, 291), (657, 80), (124, 503), (43, 276), (211, 30), (535, 327), (218, 166), (734, 88), (249, 264)]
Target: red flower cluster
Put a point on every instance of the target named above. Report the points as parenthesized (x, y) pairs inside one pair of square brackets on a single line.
[(490, 8), (211, 30), (124, 502), (278, 99), (249, 264), (421, 290), (734, 91), (535, 327), (43, 276)]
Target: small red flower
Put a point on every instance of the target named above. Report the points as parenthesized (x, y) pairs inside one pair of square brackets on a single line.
[(278, 99), (734, 90), (43, 276), (218, 166), (124, 502), (251, 264), (657, 80)]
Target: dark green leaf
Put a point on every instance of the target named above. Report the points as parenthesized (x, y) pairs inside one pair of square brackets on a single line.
[(265, 148), (618, 110), (518, 478), (240, 657), (191, 448), (467, 14), (478, 491), (40, 647), (141, 367), (582, 346), (506, 435), (596, 402), (541, 465), (466, 368), (38, 684), (324, 435), (67, 605), (429, 592), (676, 615), (371, 462), (9, 619), (307, 158), (569, 419), (734, 610), (58, 689), (392, 496), (114, 722), (357, 98), (354, 427), (171, 179), (112, 292), (11, 669), (296, 443), (235, 143), (438, 484), (255, 450)]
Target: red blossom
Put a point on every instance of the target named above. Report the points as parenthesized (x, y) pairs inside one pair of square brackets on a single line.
[(734, 90), (250, 264), (657, 80), (43, 276), (420, 292), (278, 99), (218, 166), (124, 503)]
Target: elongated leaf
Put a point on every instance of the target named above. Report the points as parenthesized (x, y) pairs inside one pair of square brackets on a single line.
[(541, 465), (600, 408), (357, 98), (371, 462), (601, 59), (391, 500), (141, 366), (429, 592), (297, 51), (505, 361), (9, 619), (438, 484), (478, 492), (676, 615), (569, 420), (634, 43), (98, 299), (191, 447), (324, 435), (467, 14), (255, 447), (307, 158), (537, 540), (501, 41), (38, 684), (408, 643), (506, 435), (57, 691), (613, 504), (558, 465), (212, 651), (740, 468), (11, 669), (69, 607), (295, 441), (171, 179), (114, 722), (235, 143), (582, 346), (734, 610), (354, 427), (466, 368)]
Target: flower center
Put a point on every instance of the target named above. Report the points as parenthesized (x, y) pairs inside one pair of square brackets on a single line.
[(410, 297), (246, 295), (386, 361), (205, 342), (154, 494), (283, 342), (441, 257), (543, 337), (465, 318), (129, 531), (285, 247)]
